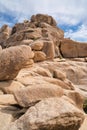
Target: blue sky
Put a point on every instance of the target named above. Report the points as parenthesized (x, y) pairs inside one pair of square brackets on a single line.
[(71, 15)]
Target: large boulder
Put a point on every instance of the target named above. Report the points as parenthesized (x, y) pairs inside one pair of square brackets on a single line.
[(6, 29), (13, 59), (36, 92), (39, 56), (5, 32), (72, 49), (48, 49), (50, 114), (43, 18), (37, 45)]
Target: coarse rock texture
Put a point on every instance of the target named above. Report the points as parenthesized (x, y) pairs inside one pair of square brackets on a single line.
[(37, 45), (39, 89), (73, 49), (50, 114), (43, 18), (35, 93), (43, 34), (5, 32), (39, 56), (13, 59)]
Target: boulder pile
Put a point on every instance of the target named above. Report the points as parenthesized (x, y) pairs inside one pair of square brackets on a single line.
[(39, 89)]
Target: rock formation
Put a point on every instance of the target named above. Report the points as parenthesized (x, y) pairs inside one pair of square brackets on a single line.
[(48, 94), (72, 49), (13, 59)]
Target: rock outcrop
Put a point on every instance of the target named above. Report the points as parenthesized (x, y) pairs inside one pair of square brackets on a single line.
[(48, 94), (43, 18), (72, 49), (50, 114), (5, 32), (13, 59)]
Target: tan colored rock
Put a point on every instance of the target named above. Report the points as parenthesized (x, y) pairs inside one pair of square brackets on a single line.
[(69, 48), (5, 119), (37, 45), (76, 97), (82, 49), (85, 59), (84, 125), (60, 75), (43, 72), (7, 99), (34, 93), (62, 84), (52, 32), (12, 60), (39, 56), (51, 113), (72, 49), (33, 35), (26, 42), (16, 43), (5, 32), (1, 92), (0, 49), (48, 49), (5, 28), (28, 78), (7, 115), (76, 73), (10, 86), (43, 18), (24, 37)]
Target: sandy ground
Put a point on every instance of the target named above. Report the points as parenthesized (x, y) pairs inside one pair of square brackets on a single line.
[(84, 125)]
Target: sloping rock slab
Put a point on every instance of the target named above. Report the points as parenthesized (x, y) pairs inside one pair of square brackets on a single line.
[(50, 114), (34, 93)]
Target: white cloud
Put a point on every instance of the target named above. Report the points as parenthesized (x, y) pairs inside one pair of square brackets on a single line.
[(79, 35), (66, 12), (70, 11)]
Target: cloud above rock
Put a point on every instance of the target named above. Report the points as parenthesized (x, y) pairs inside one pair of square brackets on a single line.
[(68, 13)]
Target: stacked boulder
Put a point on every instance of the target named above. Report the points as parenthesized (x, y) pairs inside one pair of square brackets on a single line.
[(13, 59), (42, 97), (41, 33), (5, 32), (73, 49)]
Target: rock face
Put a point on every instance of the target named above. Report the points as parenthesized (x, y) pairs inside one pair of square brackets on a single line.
[(40, 33), (43, 18), (46, 95), (5, 32), (31, 95), (51, 100), (72, 49), (50, 114), (12, 60)]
